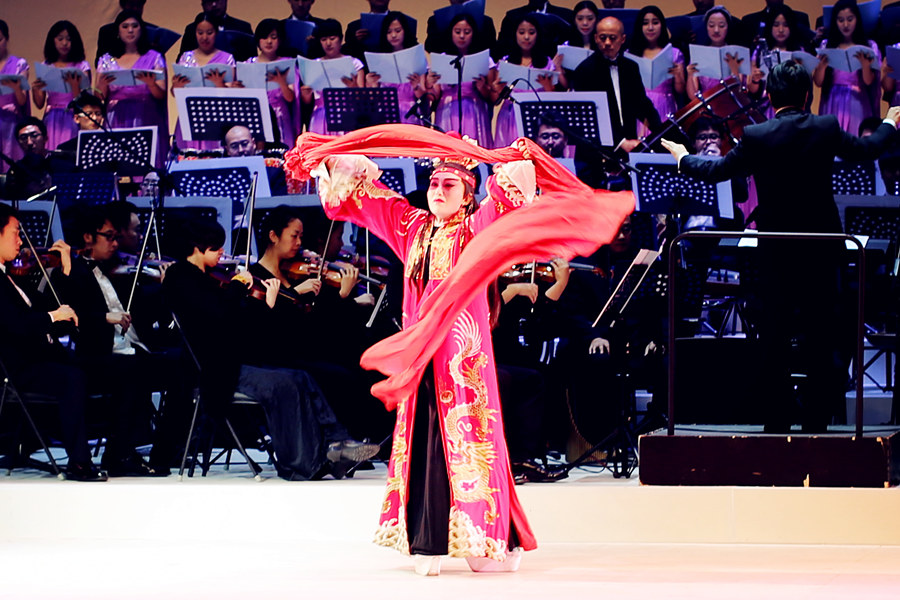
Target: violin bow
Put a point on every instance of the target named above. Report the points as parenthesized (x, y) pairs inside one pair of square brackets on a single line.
[(251, 206), (40, 265)]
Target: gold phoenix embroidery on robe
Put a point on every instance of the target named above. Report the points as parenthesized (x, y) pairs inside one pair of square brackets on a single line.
[(467, 424)]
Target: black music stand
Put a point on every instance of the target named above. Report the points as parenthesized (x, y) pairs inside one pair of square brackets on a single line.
[(349, 109), (588, 115), (204, 111), (126, 151), (233, 183), (854, 178), (660, 189)]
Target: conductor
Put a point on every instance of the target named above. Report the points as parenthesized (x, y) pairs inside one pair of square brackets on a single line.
[(791, 158)]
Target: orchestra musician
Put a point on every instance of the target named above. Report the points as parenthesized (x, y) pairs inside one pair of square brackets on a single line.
[(33, 357), (309, 441)]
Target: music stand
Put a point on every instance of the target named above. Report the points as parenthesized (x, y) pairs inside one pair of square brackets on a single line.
[(584, 112), (128, 151), (660, 189), (203, 111), (349, 109), (399, 174), (628, 285), (854, 178), (220, 177)]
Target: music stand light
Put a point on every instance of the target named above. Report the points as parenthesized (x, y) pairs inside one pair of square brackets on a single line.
[(661, 189)]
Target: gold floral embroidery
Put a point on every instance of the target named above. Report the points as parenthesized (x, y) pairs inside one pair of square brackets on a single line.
[(393, 534), (468, 539), (440, 245), (467, 424), (399, 455), (516, 197)]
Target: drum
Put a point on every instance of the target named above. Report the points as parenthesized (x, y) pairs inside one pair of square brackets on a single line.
[(728, 102)]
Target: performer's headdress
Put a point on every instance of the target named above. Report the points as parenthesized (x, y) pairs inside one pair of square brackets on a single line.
[(458, 165)]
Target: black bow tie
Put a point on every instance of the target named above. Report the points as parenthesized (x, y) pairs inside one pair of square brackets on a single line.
[(613, 62)]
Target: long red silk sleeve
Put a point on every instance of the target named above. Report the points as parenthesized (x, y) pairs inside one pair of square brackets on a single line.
[(568, 219)]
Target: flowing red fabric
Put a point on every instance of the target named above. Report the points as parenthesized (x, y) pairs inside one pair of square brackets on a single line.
[(568, 219)]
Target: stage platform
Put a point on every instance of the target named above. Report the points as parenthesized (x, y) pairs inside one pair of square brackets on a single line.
[(229, 536)]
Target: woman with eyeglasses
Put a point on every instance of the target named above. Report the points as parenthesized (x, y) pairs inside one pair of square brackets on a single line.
[(14, 101)]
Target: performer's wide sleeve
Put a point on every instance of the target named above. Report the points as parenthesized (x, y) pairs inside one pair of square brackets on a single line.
[(512, 186), (349, 191)]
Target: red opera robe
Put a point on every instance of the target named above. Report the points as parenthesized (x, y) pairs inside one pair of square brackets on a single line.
[(482, 496), (570, 219)]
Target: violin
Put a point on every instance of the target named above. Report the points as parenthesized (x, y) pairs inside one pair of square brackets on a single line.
[(305, 267), (543, 271), (27, 262), (224, 275)]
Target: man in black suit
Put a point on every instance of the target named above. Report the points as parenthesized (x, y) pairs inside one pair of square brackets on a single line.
[(558, 25), (218, 9), (607, 71), (791, 159), (32, 357), (109, 351)]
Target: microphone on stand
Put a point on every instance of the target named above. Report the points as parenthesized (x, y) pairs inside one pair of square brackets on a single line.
[(40, 195), (507, 91), (414, 109)]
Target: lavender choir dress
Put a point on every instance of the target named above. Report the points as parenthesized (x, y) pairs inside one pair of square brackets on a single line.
[(663, 95), (406, 97), (476, 113), (849, 99), (189, 60), (506, 132), (11, 113), (286, 115), (61, 126), (317, 120), (134, 106)]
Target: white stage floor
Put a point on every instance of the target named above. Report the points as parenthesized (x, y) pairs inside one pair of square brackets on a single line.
[(227, 536)]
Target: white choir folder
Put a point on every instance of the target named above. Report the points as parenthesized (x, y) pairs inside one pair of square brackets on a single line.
[(845, 60), (510, 72), (573, 56), (198, 75), (710, 61), (325, 73), (474, 66), (128, 77), (396, 67), (53, 77), (655, 70), (256, 75)]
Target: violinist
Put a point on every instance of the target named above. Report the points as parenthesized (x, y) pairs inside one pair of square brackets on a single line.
[(318, 338), (309, 440), (531, 392), (33, 358), (109, 350), (596, 358)]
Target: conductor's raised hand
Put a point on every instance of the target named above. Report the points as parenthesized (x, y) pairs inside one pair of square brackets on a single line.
[(675, 149)]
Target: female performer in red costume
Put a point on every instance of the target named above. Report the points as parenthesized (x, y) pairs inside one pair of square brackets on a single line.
[(450, 490)]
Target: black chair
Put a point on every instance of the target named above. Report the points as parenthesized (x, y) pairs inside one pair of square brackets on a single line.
[(210, 424), (10, 395)]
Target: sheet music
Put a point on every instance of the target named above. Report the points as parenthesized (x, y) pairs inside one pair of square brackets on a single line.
[(711, 62), (198, 75), (8, 90), (255, 75), (53, 77), (396, 67), (510, 72), (298, 33), (573, 56), (628, 285), (655, 70), (845, 60), (474, 66), (325, 73), (126, 77)]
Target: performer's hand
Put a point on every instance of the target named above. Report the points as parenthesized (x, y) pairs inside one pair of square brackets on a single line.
[(561, 269), (361, 34), (365, 299), (692, 69), (372, 80), (676, 150), (599, 346), (893, 114), (217, 78), (180, 81), (65, 255), (279, 77), (865, 59), (244, 277), (13, 83), (349, 277), (73, 79), (734, 63), (272, 286), (64, 313), (650, 348), (38, 85), (123, 319), (145, 77), (528, 290), (546, 81), (311, 285)]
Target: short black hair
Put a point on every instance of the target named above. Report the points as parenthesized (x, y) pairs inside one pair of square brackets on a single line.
[(869, 123), (119, 214), (31, 121), (7, 212), (328, 28), (85, 99), (203, 235), (4, 29), (788, 84), (277, 220), (90, 220)]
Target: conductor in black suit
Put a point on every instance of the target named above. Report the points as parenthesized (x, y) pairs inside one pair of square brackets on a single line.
[(791, 158)]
